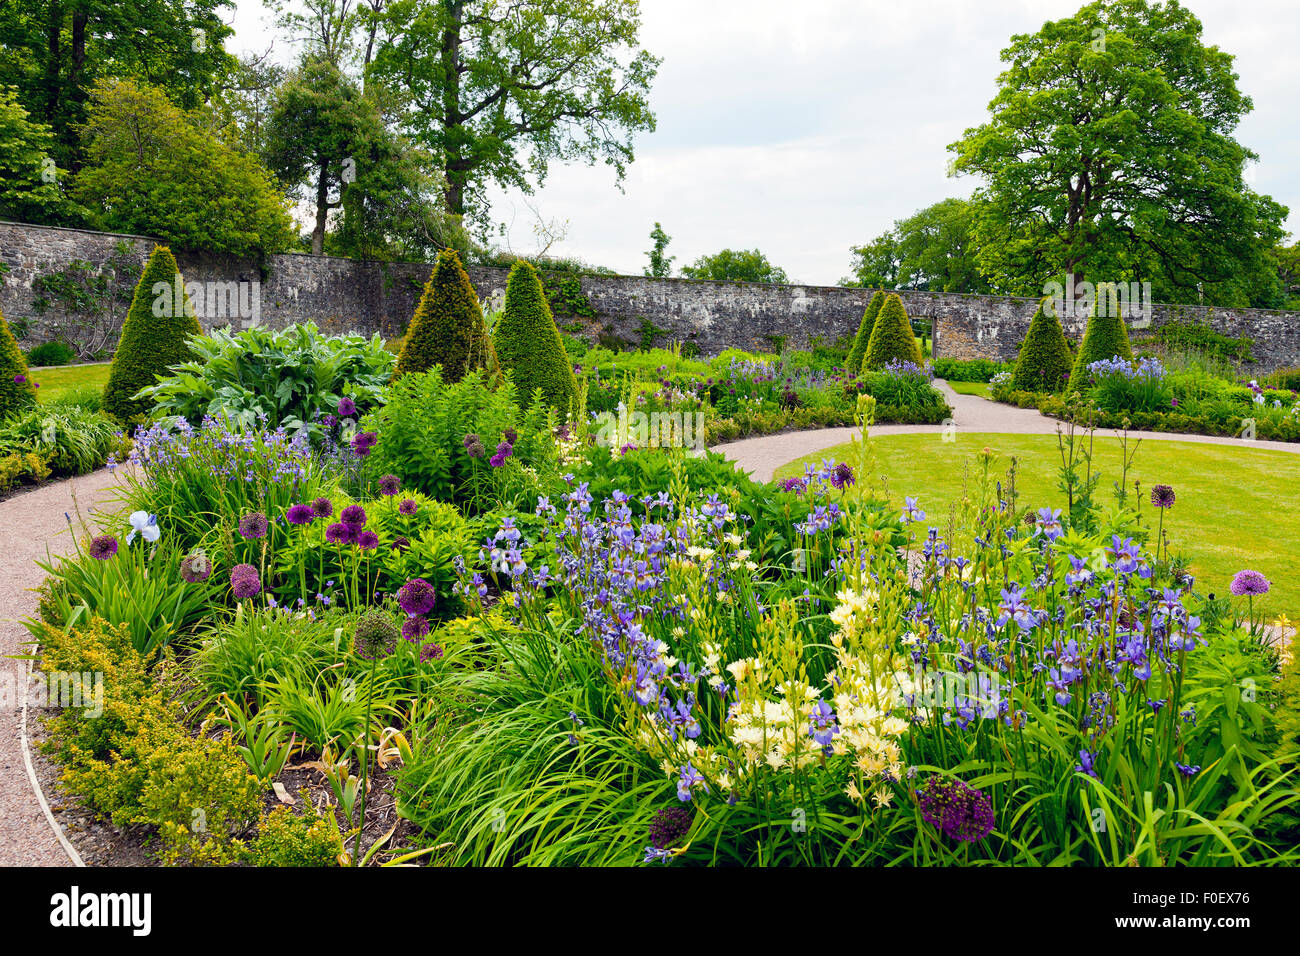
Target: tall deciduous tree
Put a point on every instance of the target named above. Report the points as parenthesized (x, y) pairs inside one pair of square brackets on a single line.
[(30, 190), (1109, 154), (500, 89), (661, 264), (931, 249), (744, 265)]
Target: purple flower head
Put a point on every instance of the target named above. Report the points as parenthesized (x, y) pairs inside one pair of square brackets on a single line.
[(354, 516), (510, 435), (470, 440), (253, 525), (322, 507), (960, 811), (1162, 496), (401, 544), (417, 596), (669, 826), (347, 407), (408, 507), (244, 581), (842, 476), (474, 448), (367, 540), (390, 485), (415, 627), (364, 443), (430, 652), (339, 533), (300, 514), (20, 379), (196, 568), (1248, 582), (375, 634), (103, 547)]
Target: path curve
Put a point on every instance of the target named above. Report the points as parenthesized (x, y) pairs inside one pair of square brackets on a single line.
[(763, 455), (32, 527)]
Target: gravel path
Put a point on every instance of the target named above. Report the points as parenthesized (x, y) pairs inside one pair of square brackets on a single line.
[(33, 527), (762, 456)]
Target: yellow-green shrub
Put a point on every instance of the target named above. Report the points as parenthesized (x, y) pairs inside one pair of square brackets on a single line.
[(891, 337), (16, 388), (286, 838), (528, 343), (853, 364), (448, 328)]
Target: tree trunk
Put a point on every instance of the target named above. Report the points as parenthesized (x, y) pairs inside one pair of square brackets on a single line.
[(322, 209), (454, 163)]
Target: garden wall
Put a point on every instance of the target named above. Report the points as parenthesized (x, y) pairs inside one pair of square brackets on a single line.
[(343, 294)]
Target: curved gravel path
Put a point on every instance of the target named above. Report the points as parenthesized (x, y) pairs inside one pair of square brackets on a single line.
[(762, 456), (32, 527)]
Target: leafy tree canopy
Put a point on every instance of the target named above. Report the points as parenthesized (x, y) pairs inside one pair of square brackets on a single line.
[(931, 249), (745, 265)]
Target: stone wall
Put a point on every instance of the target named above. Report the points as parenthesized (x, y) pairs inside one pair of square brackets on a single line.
[(343, 294)]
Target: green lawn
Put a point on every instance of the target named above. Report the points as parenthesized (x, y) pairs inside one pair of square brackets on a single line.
[(1235, 506), (970, 388), (64, 380)]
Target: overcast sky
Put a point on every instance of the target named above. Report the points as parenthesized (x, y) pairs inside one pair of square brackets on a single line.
[(805, 128)]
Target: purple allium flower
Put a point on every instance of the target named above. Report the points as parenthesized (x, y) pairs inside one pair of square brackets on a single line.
[(475, 449), (390, 485), (1162, 496), (300, 514), (339, 533), (196, 568), (430, 652), (470, 440), (842, 476), (510, 435), (415, 627), (960, 811), (505, 449), (20, 379), (497, 460), (669, 826), (253, 525), (417, 596), (347, 407), (354, 516), (401, 544), (322, 507), (103, 547), (364, 443), (367, 540), (1248, 582), (244, 581), (408, 507), (793, 484)]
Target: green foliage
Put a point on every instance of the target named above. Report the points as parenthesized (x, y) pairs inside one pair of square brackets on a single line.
[(71, 440), (528, 343), (1288, 704), (966, 370), (153, 170), (288, 838), (661, 264), (891, 337), (17, 392), (29, 181), (94, 294), (1044, 362), (1201, 337), (1074, 183), (565, 296), (448, 329), (154, 336), (931, 249), (1105, 338), (853, 363), (288, 378), (729, 265), (50, 353)]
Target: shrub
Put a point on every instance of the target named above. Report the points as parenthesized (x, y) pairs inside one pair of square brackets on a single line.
[(1105, 338), (891, 337), (16, 388), (1201, 337), (1116, 385), (150, 344), (528, 343), (286, 838), (868, 324), (902, 385), (289, 379), (69, 439), (967, 370), (448, 328), (51, 353), (19, 467), (1044, 363)]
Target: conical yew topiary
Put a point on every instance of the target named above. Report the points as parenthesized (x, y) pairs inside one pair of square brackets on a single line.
[(891, 337), (528, 344), (1105, 338), (448, 328), (853, 364), (1044, 363), (16, 389), (154, 336)]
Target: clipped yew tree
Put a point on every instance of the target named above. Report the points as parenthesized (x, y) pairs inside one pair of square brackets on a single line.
[(16, 389), (891, 337), (1044, 362), (528, 344), (853, 363), (154, 336), (1105, 337), (448, 328)]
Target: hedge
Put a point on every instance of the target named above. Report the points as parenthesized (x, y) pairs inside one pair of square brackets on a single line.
[(853, 364), (528, 343), (448, 328), (1044, 363), (891, 337), (151, 343)]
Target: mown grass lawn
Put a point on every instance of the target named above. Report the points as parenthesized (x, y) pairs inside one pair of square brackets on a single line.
[(970, 388), (64, 381), (1236, 507)]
